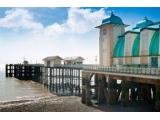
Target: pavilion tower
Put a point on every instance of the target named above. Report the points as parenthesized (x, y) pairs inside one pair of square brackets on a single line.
[(110, 29)]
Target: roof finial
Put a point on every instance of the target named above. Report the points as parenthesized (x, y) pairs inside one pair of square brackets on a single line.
[(145, 18), (112, 12)]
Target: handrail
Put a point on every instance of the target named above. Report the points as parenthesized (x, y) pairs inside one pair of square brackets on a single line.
[(128, 70), (113, 69)]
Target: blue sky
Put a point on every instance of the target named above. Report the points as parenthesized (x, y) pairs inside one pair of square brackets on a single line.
[(130, 15), (35, 33)]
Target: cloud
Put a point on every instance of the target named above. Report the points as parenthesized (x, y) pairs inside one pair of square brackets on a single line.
[(19, 19), (76, 36), (79, 21)]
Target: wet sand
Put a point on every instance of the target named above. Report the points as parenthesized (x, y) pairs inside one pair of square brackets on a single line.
[(53, 103), (29, 96)]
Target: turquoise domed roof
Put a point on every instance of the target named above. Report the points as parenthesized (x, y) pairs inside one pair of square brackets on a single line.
[(112, 19), (144, 23)]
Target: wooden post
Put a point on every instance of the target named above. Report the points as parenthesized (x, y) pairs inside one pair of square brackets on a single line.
[(15, 71), (133, 95), (56, 81), (153, 87), (63, 80), (50, 76), (71, 80), (96, 86), (59, 80), (112, 91), (86, 89), (79, 80), (53, 79), (20, 72), (6, 70), (125, 93), (139, 93), (146, 93), (101, 89), (157, 98), (10, 71)]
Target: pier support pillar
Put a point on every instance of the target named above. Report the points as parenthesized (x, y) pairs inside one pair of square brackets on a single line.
[(86, 89), (133, 94), (96, 86), (157, 98), (112, 91), (6, 70), (101, 89), (125, 93), (146, 93)]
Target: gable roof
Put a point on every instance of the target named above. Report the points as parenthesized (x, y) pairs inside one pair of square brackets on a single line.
[(52, 58), (74, 58)]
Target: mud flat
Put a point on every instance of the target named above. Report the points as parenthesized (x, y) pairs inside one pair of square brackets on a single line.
[(51, 103)]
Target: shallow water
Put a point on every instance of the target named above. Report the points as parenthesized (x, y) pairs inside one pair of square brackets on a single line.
[(14, 89)]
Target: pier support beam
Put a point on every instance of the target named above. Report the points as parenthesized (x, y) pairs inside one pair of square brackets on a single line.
[(146, 95), (125, 93), (101, 89), (96, 86), (133, 92), (112, 91), (86, 89), (157, 98)]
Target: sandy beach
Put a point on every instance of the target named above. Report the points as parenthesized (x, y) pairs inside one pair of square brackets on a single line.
[(53, 103)]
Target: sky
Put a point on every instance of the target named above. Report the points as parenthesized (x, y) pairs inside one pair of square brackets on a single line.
[(35, 33)]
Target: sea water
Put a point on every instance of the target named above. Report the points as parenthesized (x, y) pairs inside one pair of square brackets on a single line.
[(14, 89)]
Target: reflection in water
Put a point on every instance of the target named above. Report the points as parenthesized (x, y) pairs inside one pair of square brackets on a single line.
[(13, 89)]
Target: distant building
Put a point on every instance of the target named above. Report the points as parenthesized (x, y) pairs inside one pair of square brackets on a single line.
[(52, 60), (73, 60)]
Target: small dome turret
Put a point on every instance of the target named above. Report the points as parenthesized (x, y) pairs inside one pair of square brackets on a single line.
[(143, 23), (112, 19)]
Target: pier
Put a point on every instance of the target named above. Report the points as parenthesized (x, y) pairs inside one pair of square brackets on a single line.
[(137, 85), (61, 80), (95, 82)]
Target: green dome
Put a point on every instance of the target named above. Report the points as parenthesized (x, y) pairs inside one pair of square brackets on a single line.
[(144, 23), (112, 19)]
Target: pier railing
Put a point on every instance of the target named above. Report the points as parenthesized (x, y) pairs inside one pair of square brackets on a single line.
[(98, 68), (115, 69)]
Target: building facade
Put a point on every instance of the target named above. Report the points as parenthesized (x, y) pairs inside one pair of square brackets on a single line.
[(52, 60), (136, 47)]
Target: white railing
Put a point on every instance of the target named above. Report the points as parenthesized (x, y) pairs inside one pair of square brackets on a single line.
[(114, 69)]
